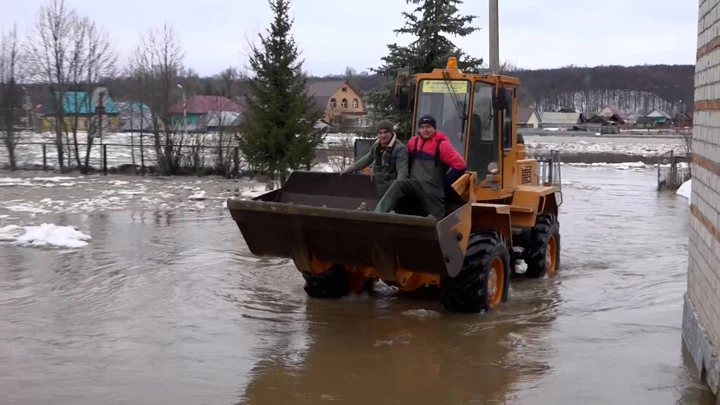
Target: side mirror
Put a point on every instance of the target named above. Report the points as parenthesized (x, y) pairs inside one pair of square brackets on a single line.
[(404, 92), (500, 100)]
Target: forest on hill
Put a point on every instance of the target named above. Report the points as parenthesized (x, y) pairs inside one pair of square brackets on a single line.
[(639, 89), (630, 88)]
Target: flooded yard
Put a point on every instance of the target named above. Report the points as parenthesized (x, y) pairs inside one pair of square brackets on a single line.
[(163, 303)]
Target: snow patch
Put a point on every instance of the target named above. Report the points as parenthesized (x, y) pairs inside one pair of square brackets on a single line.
[(24, 207), (619, 166), (685, 190), (44, 235), (199, 196)]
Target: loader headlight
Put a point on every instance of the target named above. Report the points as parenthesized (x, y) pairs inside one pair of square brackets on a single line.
[(493, 168)]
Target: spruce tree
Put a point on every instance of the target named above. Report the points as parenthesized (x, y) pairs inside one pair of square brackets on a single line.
[(278, 132), (431, 24)]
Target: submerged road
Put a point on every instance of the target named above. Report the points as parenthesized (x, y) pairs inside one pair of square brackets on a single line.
[(170, 307)]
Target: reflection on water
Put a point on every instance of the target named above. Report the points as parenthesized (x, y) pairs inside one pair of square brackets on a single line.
[(171, 308)]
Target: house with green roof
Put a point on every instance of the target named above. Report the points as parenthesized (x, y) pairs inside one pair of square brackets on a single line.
[(78, 104)]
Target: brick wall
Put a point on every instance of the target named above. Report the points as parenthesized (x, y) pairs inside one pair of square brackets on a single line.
[(704, 250)]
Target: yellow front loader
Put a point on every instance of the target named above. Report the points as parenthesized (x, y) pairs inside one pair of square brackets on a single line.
[(503, 209)]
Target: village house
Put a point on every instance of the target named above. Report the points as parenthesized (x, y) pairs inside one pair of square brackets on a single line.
[(205, 113), (341, 105), (653, 119), (135, 117), (612, 114), (77, 107), (527, 117)]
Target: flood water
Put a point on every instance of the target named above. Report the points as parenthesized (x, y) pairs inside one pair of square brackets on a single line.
[(170, 307)]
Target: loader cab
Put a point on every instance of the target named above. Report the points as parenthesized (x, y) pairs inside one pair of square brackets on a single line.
[(475, 111), (475, 114)]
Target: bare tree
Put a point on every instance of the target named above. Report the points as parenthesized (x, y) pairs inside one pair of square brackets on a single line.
[(94, 61), (10, 100), (49, 53), (226, 126), (341, 156), (157, 64)]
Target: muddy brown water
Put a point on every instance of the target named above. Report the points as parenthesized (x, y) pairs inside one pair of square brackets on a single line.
[(170, 307)]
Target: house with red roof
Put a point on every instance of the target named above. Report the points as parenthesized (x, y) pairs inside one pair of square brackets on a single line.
[(206, 113)]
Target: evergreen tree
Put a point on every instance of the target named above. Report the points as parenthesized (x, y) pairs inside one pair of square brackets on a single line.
[(277, 134), (431, 23)]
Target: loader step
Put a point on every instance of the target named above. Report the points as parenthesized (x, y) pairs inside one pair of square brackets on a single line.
[(524, 210)]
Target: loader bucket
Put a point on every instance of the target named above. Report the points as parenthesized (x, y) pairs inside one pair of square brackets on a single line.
[(315, 216)]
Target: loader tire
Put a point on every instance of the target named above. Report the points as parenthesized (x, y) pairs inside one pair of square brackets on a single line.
[(486, 265), (333, 283), (542, 256)]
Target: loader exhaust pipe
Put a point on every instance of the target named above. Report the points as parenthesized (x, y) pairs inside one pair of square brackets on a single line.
[(494, 38)]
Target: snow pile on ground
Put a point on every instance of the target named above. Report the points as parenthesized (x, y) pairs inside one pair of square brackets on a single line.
[(43, 235), (619, 146), (685, 190), (199, 195), (38, 181), (619, 166)]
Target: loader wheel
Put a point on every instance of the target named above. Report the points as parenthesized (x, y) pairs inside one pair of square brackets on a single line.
[(483, 281), (543, 255), (333, 283)]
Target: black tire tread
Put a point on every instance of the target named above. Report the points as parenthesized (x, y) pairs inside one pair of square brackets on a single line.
[(332, 283), (534, 256), (467, 292)]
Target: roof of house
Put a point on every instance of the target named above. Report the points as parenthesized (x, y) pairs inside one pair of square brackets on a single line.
[(560, 118), (134, 106), (657, 113), (77, 102), (221, 118), (524, 114), (616, 112), (205, 104), (321, 91)]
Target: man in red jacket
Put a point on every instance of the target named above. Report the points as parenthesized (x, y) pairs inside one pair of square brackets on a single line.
[(433, 163)]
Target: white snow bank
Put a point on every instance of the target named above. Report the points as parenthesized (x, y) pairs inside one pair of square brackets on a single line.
[(43, 235), (685, 190), (200, 195)]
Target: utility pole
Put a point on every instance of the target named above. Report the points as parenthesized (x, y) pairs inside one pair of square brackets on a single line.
[(494, 38)]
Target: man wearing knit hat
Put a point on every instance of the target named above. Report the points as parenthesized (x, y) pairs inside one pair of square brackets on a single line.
[(433, 163), (388, 156)]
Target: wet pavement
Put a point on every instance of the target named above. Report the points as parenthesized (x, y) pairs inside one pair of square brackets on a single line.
[(166, 305)]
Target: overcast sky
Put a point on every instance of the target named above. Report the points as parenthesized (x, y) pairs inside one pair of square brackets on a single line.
[(333, 34)]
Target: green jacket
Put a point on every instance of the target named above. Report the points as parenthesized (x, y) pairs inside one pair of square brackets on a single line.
[(389, 163)]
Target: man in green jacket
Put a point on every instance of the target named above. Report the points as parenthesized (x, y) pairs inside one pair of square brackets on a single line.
[(388, 156)]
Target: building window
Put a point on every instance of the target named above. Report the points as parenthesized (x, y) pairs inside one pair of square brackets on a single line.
[(344, 89), (344, 103), (355, 103), (333, 103)]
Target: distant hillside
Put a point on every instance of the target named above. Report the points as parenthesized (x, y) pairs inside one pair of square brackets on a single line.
[(632, 89)]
